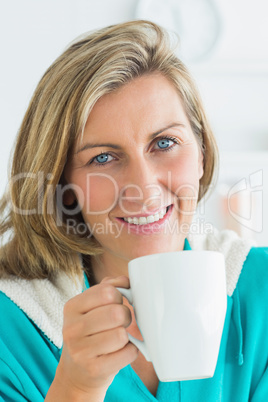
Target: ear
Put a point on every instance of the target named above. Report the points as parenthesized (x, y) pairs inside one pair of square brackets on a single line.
[(200, 164)]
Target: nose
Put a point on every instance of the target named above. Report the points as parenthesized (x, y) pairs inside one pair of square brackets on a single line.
[(141, 189)]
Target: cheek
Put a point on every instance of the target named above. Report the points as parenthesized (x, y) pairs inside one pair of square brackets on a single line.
[(99, 193), (184, 183), (184, 175)]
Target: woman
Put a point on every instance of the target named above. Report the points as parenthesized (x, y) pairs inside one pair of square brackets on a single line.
[(111, 159)]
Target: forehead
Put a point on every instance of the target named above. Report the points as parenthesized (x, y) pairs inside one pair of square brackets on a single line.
[(147, 88), (136, 109), (149, 93)]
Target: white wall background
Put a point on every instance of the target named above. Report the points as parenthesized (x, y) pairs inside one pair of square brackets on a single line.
[(225, 44)]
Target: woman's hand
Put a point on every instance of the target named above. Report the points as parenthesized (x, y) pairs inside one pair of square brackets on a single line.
[(95, 342)]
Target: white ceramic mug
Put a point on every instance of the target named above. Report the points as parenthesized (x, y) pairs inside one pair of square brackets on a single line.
[(179, 300)]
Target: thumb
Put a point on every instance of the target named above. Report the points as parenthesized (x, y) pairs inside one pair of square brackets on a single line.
[(119, 281)]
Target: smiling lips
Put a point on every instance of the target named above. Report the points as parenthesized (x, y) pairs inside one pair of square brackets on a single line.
[(143, 220)]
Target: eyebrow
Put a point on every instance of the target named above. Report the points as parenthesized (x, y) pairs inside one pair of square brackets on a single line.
[(115, 146)]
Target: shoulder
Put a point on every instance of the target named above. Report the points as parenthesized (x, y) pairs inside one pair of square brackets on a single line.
[(258, 256), (22, 347), (253, 281), (39, 300), (13, 321), (10, 313), (15, 330)]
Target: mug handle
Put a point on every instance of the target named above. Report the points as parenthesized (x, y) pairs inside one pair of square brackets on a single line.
[(127, 293)]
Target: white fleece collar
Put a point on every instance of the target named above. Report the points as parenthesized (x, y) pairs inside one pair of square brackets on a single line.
[(42, 300)]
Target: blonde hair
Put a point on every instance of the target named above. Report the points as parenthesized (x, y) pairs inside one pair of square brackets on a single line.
[(97, 64)]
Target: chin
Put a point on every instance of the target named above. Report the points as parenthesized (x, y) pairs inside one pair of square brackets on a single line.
[(140, 252)]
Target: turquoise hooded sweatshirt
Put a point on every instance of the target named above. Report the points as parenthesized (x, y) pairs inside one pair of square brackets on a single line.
[(28, 358)]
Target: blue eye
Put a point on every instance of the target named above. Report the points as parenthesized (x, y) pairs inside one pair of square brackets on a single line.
[(102, 158), (164, 143)]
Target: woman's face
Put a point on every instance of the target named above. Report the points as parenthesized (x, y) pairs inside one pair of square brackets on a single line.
[(136, 172)]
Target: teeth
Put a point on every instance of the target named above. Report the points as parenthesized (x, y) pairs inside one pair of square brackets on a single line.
[(156, 217), (142, 221), (150, 219), (147, 219)]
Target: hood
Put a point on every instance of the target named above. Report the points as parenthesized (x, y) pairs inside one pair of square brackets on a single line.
[(42, 300)]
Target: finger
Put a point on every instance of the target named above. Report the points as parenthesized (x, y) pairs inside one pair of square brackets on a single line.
[(104, 318), (120, 281), (96, 296), (113, 362), (99, 344), (98, 320)]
